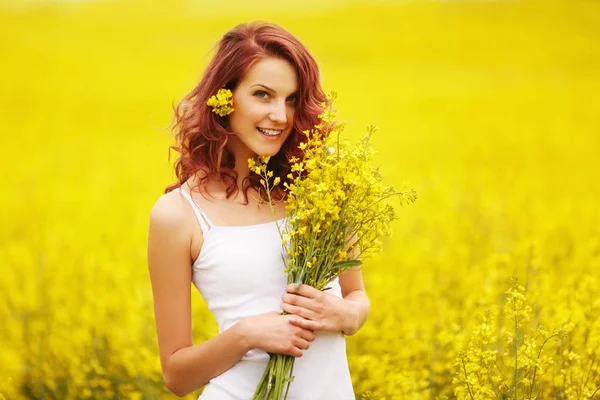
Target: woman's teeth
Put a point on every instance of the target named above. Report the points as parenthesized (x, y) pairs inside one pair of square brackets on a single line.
[(269, 132)]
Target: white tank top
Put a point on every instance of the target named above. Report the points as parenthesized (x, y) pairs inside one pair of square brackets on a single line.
[(250, 280)]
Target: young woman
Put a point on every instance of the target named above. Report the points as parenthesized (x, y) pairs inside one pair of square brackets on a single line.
[(210, 229)]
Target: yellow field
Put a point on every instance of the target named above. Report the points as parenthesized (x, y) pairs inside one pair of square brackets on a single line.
[(491, 110)]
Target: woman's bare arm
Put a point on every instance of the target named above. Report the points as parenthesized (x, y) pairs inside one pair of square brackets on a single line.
[(185, 367), (353, 291)]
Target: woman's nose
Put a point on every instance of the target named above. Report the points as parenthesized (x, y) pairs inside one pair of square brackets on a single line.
[(278, 113)]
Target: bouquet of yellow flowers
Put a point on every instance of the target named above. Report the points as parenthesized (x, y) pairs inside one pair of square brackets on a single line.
[(337, 210)]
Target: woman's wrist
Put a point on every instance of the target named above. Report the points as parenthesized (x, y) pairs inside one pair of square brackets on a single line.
[(242, 331), (350, 320), (357, 311)]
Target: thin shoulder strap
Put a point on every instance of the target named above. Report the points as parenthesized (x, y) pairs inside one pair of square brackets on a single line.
[(203, 220)]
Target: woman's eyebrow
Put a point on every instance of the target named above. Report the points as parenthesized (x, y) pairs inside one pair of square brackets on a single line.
[(265, 86), (271, 90)]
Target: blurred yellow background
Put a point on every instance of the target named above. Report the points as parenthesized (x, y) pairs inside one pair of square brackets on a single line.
[(490, 109)]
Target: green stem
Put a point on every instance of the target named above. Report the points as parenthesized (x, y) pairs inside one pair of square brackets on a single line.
[(536, 363), (467, 380), (277, 375)]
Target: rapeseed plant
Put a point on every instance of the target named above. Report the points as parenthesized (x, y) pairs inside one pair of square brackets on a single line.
[(506, 360)]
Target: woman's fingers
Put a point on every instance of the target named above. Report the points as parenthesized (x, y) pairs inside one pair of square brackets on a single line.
[(306, 324), (297, 300), (301, 311), (308, 335), (304, 290), (301, 343)]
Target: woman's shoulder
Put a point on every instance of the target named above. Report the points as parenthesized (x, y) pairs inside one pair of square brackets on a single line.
[(169, 211), (172, 224)]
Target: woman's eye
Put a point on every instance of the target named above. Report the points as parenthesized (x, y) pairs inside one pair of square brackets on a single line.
[(262, 94), (292, 99)]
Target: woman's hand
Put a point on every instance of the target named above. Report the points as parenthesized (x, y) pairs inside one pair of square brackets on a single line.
[(274, 333), (319, 311)]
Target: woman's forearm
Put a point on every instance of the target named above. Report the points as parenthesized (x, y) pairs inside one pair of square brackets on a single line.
[(359, 311), (190, 368)]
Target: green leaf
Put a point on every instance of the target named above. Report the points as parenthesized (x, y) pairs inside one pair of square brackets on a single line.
[(347, 263), (300, 279)]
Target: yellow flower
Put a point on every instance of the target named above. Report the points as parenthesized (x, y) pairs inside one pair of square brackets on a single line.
[(222, 102), (298, 167)]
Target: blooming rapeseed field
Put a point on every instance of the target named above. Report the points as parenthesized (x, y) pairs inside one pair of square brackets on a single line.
[(488, 287)]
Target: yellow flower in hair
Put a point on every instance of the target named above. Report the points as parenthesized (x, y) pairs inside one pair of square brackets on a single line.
[(222, 102)]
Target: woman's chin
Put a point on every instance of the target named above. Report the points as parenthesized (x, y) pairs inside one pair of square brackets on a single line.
[(267, 152)]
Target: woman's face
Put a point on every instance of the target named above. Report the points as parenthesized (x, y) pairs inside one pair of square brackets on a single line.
[(264, 103)]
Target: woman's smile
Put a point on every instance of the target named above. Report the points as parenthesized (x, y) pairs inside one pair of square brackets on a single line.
[(270, 133)]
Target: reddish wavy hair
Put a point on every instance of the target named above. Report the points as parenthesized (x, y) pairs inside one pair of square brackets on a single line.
[(201, 135)]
